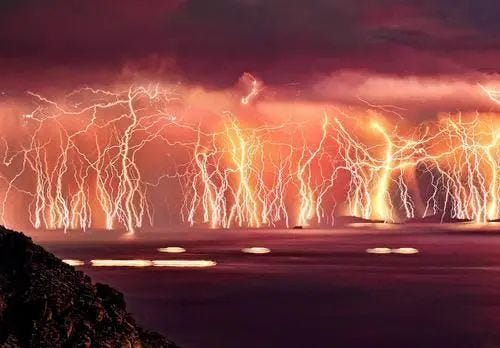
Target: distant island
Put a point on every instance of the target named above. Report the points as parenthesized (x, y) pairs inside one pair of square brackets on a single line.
[(437, 219), (345, 220)]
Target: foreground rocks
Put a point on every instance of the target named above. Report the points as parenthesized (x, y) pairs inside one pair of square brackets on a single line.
[(46, 303)]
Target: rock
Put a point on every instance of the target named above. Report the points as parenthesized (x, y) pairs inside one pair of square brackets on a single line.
[(48, 314), (47, 303), (87, 342), (68, 327)]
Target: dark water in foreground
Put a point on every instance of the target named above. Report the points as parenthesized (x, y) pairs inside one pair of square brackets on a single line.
[(315, 289)]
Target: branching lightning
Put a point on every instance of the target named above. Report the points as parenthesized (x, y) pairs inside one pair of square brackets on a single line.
[(82, 162)]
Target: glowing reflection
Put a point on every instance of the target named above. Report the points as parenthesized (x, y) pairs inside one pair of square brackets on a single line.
[(405, 251), (73, 263), (379, 251), (172, 250), (256, 250), (121, 263), (184, 263)]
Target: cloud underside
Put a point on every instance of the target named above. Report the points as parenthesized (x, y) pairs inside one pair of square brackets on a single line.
[(415, 53)]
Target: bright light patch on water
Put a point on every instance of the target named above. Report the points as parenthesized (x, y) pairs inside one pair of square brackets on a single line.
[(405, 251), (256, 250), (184, 263), (154, 263), (121, 263), (382, 251), (73, 263), (379, 251), (172, 250)]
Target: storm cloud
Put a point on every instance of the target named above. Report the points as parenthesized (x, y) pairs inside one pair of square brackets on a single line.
[(213, 42)]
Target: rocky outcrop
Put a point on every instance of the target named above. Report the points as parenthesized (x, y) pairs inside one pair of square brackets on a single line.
[(46, 303)]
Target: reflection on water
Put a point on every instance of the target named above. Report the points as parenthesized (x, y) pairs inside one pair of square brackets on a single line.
[(172, 250), (373, 226), (378, 251), (184, 263), (256, 250), (330, 282), (121, 263), (154, 263), (73, 262), (405, 251), (383, 251)]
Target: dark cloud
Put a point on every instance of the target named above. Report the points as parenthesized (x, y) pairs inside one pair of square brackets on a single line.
[(213, 42)]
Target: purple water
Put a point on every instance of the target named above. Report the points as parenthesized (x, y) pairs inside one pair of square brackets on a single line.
[(315, 288)]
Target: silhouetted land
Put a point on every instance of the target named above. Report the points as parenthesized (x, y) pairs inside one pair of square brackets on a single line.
[(46, 303)]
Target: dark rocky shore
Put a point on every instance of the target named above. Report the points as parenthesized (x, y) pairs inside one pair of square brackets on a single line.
[(47, 303)]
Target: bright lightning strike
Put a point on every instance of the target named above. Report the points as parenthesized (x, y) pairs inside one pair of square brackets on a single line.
[(84, 161)]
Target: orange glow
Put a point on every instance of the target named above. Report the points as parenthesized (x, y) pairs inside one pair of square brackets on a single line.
[(124, 157)]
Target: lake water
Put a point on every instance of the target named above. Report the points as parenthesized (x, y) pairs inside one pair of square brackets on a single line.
[(311, 289)]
